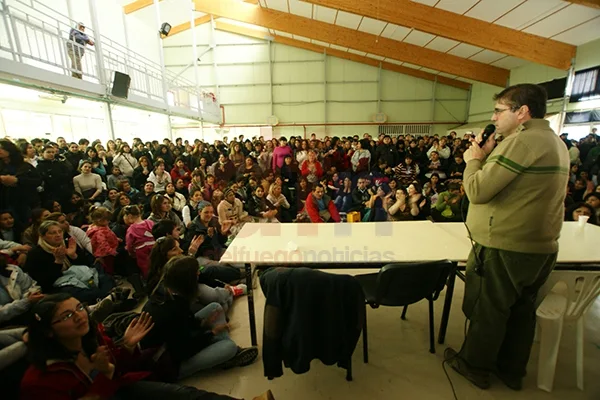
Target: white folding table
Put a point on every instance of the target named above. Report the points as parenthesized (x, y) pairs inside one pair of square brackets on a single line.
[(578, 249), (344, 245)]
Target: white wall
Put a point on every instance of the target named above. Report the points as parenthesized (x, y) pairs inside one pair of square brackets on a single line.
[(293, 86)]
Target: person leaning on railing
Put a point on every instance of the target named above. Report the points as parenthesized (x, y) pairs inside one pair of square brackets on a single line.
[(76, 48)]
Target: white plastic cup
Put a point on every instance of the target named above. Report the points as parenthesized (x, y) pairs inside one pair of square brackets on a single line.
[(582, 220)]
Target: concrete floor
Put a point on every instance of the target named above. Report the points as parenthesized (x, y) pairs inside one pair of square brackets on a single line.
[(400, 366)]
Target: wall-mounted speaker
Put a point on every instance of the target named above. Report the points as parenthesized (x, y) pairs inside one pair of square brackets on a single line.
[(121, 84)]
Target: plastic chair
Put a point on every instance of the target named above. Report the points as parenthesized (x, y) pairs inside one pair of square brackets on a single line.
[(401, 285), (582, 288)]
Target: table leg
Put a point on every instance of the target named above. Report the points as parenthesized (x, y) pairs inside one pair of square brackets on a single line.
[(447, 303), (251, 315)]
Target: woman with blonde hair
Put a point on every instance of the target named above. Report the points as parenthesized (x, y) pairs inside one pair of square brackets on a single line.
[(280, 202)]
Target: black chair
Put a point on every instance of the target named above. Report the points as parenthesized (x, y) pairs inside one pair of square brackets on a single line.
[(402, 285)]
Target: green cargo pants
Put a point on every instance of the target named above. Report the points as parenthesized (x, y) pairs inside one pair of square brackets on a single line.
[(500, 304)]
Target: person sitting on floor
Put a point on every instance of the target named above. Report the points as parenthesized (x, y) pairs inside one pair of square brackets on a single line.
[(162, 209), (360, 196), (280, 202), (138, 239), (215, 234), (231, 209), (261, 208), (60, 268), (196, 342), (84, 244), (320, 208), (210, 289), (73, 358), (448, 205), (18, 292)]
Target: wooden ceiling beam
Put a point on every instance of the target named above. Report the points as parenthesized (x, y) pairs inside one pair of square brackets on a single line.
[(462, 28), (137, 5), (356, 40), (186, 25), (587, 3), (265, 35)]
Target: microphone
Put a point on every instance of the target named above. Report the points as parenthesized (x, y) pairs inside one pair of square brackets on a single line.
[(487, 132)]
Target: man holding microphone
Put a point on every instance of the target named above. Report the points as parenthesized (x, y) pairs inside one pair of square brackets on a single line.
[(516, 193)]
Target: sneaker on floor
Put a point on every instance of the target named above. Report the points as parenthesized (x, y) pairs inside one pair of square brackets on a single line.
[(512, 381), (243, 357), (239, 290), (268, 395), (102, 310), (479, 379)]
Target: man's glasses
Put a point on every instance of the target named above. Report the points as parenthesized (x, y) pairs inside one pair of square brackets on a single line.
[(498, 111), (65, 317)]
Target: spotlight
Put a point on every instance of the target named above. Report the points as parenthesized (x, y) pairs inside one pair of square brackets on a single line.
[(165, 28)]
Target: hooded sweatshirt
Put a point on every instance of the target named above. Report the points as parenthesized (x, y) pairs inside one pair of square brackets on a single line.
[(139, 242)]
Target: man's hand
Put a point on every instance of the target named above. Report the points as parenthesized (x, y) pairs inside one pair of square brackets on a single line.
[(474, 153), (489, 144)]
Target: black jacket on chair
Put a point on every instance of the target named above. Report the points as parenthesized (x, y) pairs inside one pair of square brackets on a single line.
[(309, 315)]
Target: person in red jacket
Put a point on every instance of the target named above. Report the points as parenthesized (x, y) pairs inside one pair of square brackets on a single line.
[(320, 207), (74, 359), (181, 171)]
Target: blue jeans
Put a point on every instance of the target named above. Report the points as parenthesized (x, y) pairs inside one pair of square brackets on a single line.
[(222, 348), (208, 295)]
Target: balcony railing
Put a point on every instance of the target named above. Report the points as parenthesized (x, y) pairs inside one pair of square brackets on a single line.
[(35, 34)]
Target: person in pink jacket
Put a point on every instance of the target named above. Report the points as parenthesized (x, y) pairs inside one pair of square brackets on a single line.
[(279, 154), (138, 239), (104, 241)]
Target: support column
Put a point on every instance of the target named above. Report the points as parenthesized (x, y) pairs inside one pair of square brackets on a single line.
[(109, 118), (325, 87), (104, 80), (213, 45), (379, 89), (271, 76), (568, 89), (170, 127), (195, 60), (161, 53), (433, 104), (468, 104), (70, 10), (127, 57)]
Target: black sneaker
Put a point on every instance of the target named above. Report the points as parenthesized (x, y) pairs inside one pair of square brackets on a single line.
[(512, 381), (479, 379), (243, 357)]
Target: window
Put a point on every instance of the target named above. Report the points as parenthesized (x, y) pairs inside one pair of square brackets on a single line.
[(586, 85)]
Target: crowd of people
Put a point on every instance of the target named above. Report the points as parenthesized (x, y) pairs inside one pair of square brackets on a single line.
[(76, 218)]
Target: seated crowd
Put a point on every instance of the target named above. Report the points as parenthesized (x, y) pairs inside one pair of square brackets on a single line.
[(77, 219)]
